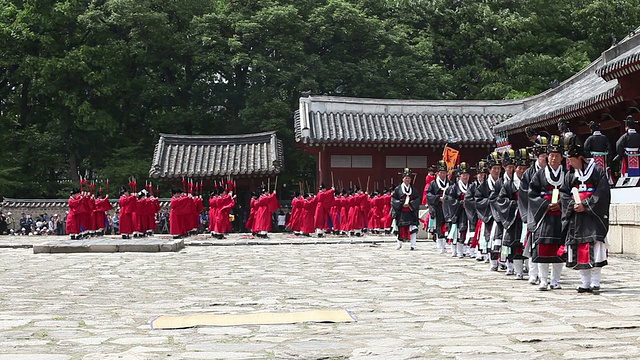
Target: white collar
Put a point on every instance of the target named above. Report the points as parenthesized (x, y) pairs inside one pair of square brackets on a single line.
[(491, 183), (462, 186), (406, 189), (631, 131), (516, 180), (583, 176), (442, 185), (549, 174), (597, 132)]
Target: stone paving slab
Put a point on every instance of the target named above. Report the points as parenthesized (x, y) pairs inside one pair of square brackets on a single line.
[(409, 305), (109, 245)]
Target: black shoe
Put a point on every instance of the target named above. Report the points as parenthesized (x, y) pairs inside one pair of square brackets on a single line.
[(177, 236), (320, 235), (412, 248), (583, 290)]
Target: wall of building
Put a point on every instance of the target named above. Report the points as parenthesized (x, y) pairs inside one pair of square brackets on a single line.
[(624, 229), (333, 162)]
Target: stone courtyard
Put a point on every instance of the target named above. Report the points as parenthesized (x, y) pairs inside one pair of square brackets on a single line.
[(409, 304)]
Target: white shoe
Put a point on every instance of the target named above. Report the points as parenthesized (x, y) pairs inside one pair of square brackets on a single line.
[(534, 281), (399, 246), (543, 286)]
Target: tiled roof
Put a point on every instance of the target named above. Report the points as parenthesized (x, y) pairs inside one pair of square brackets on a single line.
[(622, 59), (585, 92), (221, 155), (335, 120)]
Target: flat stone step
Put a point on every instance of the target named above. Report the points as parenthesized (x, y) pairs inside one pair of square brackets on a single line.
[(109, 245)]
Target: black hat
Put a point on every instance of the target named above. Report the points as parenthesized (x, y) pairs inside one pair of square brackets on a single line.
[(573, 147), (75, 191), (493, 159), (630, 122), (540, 145), (482, 166), (296, 194), (563, 126), (522, 157), (530, 132), (594, 126), (322, 187), (123, 190), (508, 157), (463, 168), (555, 145), (441, 166), (176, 191), (406, 172), (254, 194)]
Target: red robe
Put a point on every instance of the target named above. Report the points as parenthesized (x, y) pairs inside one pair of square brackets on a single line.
[(127, 208), (345, 203), (387, 220), (265, 206), (99, 213), (295, 220), (428, 179), (179, 217), (324, 202), (213, 212), (198, 206), (223, 224), (252, 214), (73, 226), (308, 212)]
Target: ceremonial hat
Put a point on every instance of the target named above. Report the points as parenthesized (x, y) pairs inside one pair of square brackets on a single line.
[(508, 157), (322, 187), (563, 126), (522, 157), (123, 190), (530, 132), (493, 159), (463, 168), (555, 145), (540, 145), (254, 194), (441, 166), (75, 191), (173, 191), (482, 166), (573, 147), (594, 126), (406, 172), (630, 122)]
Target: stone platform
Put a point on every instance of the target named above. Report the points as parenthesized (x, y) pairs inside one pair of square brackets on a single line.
[(109, 245)]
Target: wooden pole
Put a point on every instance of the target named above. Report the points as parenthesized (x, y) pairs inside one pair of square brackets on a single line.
[(368, 178), (332, 183)]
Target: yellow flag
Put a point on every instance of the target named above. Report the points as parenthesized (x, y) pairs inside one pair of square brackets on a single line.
[(450, 156)]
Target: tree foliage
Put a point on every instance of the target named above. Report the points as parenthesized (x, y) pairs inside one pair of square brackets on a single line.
[(87, 86)]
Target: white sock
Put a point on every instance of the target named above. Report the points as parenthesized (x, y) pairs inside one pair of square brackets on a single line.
[(596, 275), (556, 272), (543, 272), (533, 269), (454, 249), (460, 249), (493, 263), (414, 239), (585, 277), (518, 265)]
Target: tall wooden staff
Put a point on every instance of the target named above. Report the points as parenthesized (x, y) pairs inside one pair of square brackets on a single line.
[(332, 184), (368, 178)]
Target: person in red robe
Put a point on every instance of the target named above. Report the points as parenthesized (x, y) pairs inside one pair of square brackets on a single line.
[(252, 213), (73, 225), (295, 223), (214, 199), (431, 175), (226, 203), (387, 219), (308, 213), (324, 202), (265, 206), (127, 203), (102, 205), (180, 216), (153, 209)]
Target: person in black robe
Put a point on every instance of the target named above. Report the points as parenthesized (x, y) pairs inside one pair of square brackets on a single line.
[(510, 205), (470, 207), (483, 200), (585, 200), (405, 203), (454, 211), (435, 198), (544, 214), (628, 145), (598, 147), (539, 151)]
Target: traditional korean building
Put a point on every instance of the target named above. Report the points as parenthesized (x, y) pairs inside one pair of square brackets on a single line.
[(356, 140), (606, 91), (247, 159)]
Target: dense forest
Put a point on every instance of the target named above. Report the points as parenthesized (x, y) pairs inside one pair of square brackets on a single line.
[(86, 86)]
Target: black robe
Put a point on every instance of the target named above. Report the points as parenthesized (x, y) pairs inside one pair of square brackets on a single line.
[(548, 243), (398, 198), (629, 140), (453, 206), (597, 143), (435, 206), (469, 204), (523, 196), (593, 224), (508, 201)]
